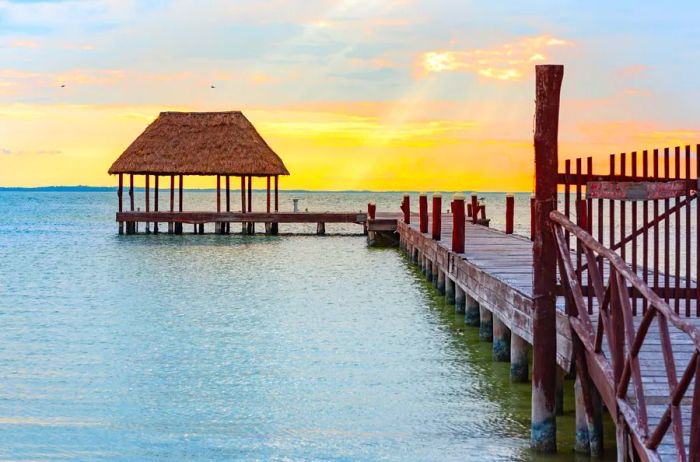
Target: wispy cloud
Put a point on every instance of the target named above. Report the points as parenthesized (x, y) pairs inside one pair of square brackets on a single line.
[(25, 44), (510, 62)]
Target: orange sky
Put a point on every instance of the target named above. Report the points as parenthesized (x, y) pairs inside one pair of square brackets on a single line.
[(396, 95)]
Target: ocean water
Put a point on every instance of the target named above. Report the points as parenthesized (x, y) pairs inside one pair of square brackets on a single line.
[(294, 347)]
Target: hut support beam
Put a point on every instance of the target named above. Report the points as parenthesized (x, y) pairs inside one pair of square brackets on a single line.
[(148, 200), (244, 225), (228, 201), (171, 225), (120, 192), (543, 435), (218, 227), (275, 226), (155, 201), (251, 226), (178, 226)]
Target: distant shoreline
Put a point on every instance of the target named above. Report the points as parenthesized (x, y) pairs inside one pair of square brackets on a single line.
[(141, 189)]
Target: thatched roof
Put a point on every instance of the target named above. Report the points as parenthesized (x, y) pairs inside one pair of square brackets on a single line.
[(200, 143)]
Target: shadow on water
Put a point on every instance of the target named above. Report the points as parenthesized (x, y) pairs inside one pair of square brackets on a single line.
[(494, 381)]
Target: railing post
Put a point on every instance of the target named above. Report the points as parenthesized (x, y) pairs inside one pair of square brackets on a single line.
[(543, 422), (458, 223), (371, 210), (423, 212), (694, 443), (510, 213), (437, 216), (475, 207), (406, 208)]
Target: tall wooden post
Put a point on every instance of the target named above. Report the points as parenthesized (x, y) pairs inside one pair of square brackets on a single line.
[(148, 200), (406, 208), (155, 201), (475, 207), (277, 193), (437, 216), (458, 223), (423, 212), (544, 367), (228, 202), (131, 191), (510, 213), (533, 224), (120, 192), (268, 194)]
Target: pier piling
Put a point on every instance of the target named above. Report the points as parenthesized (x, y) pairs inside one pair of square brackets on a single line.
[(441, 281), (458, 223), (543, 422), (485, 325), (472, 314), (460, 299), (501, 340), (518, 358), (449, 291), (437, 216), (423, 212)]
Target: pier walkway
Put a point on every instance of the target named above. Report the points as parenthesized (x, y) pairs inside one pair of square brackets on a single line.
[(495, 273)]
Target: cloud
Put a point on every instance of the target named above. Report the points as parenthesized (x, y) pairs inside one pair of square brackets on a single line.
[(7, 152), (25, 44), (508, 62)]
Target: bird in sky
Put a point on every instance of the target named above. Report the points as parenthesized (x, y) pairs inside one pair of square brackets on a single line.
[(213, 86), (63, 85)]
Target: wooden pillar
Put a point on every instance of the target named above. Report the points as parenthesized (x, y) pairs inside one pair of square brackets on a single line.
[(543, 421), (472, 311), (228, 193), (510, 213), (218, 193), (179, 205), (172, 193), (458, 223), (533, 224), (460, 299), (275, 225), (250, 193), (155, 201), (243, 200), (518, 358), (441, 281), (131, 191), (428, 270), (120, 192), (501, 340), (485, 325), (406, 208), (423, 212), (474, 207), (268, 194), (449, 291), (437, 216), (148, 200)]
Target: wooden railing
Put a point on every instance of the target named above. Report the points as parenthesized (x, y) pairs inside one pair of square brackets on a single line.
[(616, 369)]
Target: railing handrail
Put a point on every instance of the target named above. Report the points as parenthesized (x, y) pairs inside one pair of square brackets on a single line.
[(623, 269)]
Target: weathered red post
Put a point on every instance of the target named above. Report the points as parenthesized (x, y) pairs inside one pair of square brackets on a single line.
[(155, 201), (510, 213), (371, 210), (120, 193), (544, 367), (475, 207), (437, 216), (533, 224), (268, 194), (131, 191), (423, 212), (218, 193), (406, 208), (275, 226), (458, 223)]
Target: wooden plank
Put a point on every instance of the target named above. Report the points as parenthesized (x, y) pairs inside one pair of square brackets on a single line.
[(260, 217)]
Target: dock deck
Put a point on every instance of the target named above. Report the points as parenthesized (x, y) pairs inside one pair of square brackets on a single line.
[(496, 270)]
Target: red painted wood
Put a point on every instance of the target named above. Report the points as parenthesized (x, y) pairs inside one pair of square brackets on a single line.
[(657, 240), (250, 193), (645, 235), (510, 213), (677, 233), (423, 213), (228, 193), (437, 217), (533, 219), (634, 237), (277, 202), (694, 446), (261, 217), (687, 231), (268, 194), (567, 197), (474, 208), (155, 193), (406, 208), (667, 226), (371, 211), (697, 232), (458, 224)]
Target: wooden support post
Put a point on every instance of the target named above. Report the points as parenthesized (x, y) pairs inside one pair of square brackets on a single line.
[(543, 421), (485, 325), (218, 193), (518, 358), (423, 212), (131, 192), (475, 207), (472, 311), (460, 300), (694, 443), (371, 210), (458, 224), (406, 208), (179, 205), (437, 216), (582, 444), (120, 192), (510, 213), (243, 199), (172, 193), (227, 225), (250, 193), (321, 229), (155, 200), (501, 340), (428, 270), (268, 194), (559, 401), (441, 281), (275, 225), (450, 287), (148, 201)]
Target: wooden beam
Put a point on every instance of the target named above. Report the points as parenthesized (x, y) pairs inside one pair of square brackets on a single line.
[(543, 422), (120, 192), (148, 193), (218, 193), (228, 193), (180, 195), (243, 201), (250, 193), (131, 191), (268, 194), (276, 193), (172, 193), (260, 217), (155, 193)]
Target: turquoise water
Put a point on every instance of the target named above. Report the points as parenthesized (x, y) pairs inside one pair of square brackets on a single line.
[(294, 347)]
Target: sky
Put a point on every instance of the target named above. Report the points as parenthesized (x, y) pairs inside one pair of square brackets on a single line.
[(352, 94)]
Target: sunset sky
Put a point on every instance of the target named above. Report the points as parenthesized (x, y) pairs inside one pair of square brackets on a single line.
[(381, 95)]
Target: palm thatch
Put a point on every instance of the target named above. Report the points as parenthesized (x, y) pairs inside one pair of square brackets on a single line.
[(200, 143)]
